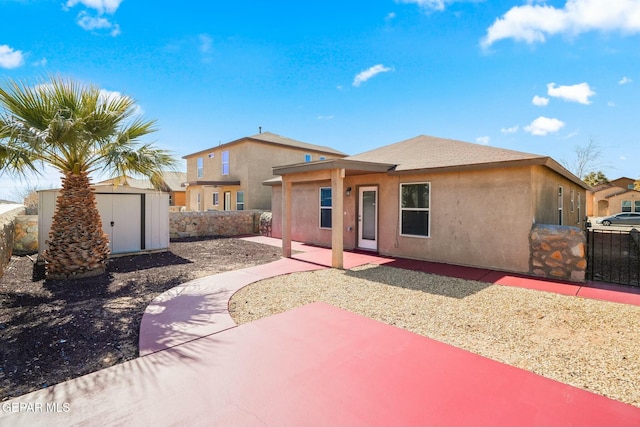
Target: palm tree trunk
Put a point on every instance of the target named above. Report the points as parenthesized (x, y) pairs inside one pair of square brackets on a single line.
[(77, 246)]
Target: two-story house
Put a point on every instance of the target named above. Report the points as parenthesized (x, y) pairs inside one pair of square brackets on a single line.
[(230, 176), (614, 197)]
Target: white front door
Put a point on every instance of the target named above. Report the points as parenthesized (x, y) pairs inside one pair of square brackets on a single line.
[(368, 218)]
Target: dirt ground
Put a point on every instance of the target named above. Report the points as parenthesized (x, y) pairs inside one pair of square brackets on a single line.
[(52, 331)]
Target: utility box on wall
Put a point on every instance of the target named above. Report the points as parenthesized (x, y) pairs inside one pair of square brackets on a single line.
[(136, 219)]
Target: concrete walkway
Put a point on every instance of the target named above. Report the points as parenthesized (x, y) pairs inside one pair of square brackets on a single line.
[(200, 307)]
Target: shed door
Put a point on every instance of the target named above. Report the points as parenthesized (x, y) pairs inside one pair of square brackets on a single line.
[(121, 220)]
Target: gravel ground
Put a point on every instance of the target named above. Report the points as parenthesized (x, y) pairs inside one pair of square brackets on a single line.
[(590, 344)]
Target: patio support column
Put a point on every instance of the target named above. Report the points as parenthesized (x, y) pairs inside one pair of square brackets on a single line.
[(337, 217), (286, 217)]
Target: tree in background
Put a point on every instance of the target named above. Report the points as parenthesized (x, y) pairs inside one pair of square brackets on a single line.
[(595, 178), (76, 129), (587, 159)]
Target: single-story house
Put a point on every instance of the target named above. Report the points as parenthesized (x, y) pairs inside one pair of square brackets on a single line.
[(427, 198)]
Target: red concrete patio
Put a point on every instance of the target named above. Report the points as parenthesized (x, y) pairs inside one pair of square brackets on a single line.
[(315, 365)]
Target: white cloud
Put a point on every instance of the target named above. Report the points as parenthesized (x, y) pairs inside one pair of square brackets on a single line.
[(540, 101), (40, 63), (428, 4), (325, 117), (512, 129), (543, 126), (625, 80), (390, 16), (611, 104), (576, 93), (365, 75), (532, 23), (10, 58), (484, 140), (101, 6), (91, 23), (623, 158)]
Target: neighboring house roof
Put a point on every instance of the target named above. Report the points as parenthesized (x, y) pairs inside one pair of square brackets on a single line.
[(623, 192), (432, 154), (173, 181), (274, 139)]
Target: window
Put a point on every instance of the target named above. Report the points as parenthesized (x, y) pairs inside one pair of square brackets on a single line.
[(239, 200), (325, 207), (200, 167), (636, 206), (626, 206), (216, 199), (225, 163), (323, 158), (198, 202), (307, 158), (579, 206), (560, 205), (573, 197), (415, 202)]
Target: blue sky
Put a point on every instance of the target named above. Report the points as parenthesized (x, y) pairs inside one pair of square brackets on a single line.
[(535, 76)]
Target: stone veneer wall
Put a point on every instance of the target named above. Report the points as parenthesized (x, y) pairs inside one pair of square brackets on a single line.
[(7, 233), (213, 223), (558, 252), (25, 240)]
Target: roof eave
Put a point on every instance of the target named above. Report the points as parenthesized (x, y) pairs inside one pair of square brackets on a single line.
[(351, 165)]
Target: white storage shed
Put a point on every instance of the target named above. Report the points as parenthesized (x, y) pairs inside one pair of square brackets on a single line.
[(136, 219)]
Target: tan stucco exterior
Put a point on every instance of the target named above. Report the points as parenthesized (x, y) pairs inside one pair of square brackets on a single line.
[(479, 218), (607, 199), (250, 163)]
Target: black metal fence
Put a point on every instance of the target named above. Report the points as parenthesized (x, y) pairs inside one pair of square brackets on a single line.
[(614, 256)]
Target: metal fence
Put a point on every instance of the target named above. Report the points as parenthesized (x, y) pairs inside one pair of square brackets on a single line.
[(614, 256)]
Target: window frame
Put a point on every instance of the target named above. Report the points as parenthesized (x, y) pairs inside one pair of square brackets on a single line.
[(225, 162), (636, 206), (215, 198), (427, 209), (199, 167), (238, 203), (321, 208), (308, 158), (573, 201), (622, 206), (560, 205)]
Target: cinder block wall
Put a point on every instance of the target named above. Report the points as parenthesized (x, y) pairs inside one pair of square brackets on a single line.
[(214, 223)]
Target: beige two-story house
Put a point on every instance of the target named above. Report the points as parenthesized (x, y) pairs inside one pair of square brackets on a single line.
[(230, 176)]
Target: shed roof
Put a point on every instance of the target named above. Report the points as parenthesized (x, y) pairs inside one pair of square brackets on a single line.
[(274, 139)]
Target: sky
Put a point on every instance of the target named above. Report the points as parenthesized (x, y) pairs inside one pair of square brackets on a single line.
[(542, 77)]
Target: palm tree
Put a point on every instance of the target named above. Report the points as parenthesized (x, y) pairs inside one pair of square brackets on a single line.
[(77, 129)]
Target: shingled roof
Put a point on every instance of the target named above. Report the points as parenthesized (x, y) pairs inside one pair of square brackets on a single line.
[(428, 152), (275, 139)]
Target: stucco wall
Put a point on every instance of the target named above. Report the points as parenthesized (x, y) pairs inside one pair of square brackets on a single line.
[(251, 163), (545, 184), (478, 218), (213, 223)]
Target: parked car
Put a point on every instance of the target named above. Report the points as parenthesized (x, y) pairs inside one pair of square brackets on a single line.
[(625, 218)]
